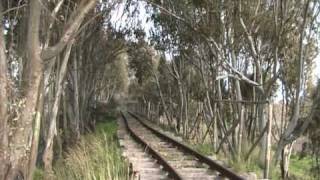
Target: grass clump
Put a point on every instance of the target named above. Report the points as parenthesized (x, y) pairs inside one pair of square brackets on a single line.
[(96, 157), (206, 149), (252, 164)]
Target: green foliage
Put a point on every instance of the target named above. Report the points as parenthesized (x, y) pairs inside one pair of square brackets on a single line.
[(300, 168), (97, 156), (38, 174), (107, 128), (205, 149), (142, 60), (117, 73)]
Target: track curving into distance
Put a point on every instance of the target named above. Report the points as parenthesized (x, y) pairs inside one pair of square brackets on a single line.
[(179, 160)]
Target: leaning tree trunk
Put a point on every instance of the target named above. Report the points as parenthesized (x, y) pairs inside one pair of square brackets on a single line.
[(240, 108), (48, 152), (165, 107), (287, 138)]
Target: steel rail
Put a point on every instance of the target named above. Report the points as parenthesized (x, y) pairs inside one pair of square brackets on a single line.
[(166, 166), (224, 172)]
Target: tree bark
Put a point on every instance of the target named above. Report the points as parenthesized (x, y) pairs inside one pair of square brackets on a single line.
[(72, 27), (76, 99), (33, 75), (47, 156), (238, 94), (162, 100), (36, 133), (4, 129), (268, 145), (284, 140)]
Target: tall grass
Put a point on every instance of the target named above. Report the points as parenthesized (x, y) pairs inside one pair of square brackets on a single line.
[(95, 157), (299, 168)]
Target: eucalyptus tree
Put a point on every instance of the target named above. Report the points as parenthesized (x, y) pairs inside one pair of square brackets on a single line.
[(241, 50), (43, 43)]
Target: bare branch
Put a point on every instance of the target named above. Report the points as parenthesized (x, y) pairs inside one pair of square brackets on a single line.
[(69, 33), (13, 9)]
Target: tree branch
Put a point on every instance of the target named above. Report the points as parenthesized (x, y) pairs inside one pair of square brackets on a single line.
[(72, 27)]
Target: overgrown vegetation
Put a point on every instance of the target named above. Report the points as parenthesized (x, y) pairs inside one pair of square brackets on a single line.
[(96, 156), (58, 60), (231, 73), (224, 72), (301, 168)]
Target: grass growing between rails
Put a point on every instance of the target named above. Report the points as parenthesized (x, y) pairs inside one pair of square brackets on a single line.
[(96, 157)]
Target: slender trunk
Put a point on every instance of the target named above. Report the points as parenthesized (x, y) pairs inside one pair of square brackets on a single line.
[(76, 98), (47, 156), (66, 132), (163, 101), (36, 132), (177, 76), (215, 129), (268, 145), (262, 125), (285, 161), (148, 110), (180, 119), (285, 139), (222, 122), (186, 116), (238, 98)]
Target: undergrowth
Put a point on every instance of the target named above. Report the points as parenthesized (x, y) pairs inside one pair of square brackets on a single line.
[(299, 168), (96, 157)]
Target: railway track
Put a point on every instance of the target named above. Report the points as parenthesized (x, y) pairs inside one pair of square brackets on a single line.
[(168, 158)]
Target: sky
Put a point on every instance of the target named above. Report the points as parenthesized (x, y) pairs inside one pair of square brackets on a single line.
[(119, 19)]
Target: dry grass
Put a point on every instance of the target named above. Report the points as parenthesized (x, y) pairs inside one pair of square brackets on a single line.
[(96, 157)]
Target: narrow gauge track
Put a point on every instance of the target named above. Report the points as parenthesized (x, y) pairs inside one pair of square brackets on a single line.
[(179, 160)]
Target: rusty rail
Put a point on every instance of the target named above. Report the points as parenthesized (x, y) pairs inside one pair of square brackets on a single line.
[(172, 172), (224, 172)]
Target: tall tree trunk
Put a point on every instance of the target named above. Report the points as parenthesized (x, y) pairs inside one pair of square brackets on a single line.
[(76, 120), (186, 114), (36, 132), (181, 96), (4, 129), (165, 107), (285, 139), (47, 156), (240, 114), (268, 150), (32, 80)]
